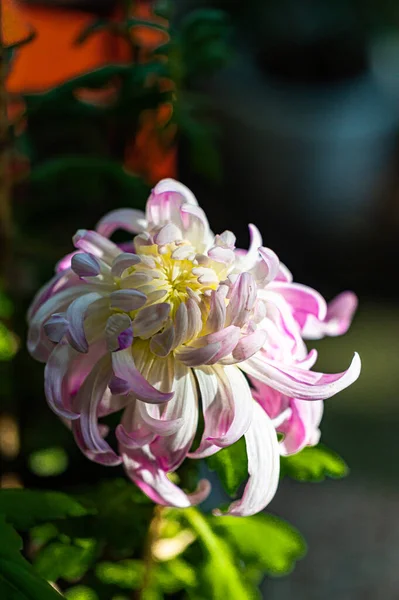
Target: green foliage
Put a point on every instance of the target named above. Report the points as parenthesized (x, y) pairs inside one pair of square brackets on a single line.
[(48, 462), (263, 541), (66, 559), (18, 580), (231, 465), (26, 508), (128, 574), (314, 464), (220, 576)]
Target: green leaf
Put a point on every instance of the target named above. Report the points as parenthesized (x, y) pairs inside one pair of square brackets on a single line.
[(220, 574), (48, 462), (26, 508), (127, 574), (231, 465), (314, 464), (81, 592), (17, 578), (263, 541), (67, 560)]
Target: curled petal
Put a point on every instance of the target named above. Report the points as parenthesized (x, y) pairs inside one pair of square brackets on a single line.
[(56, 327), (301, 428), (122, 262), (151, 319), (180, 325), (339, 316), (118, 332), (56, 390), (167, 234), (303, 300), (86, 429), (172, 450), (195, 357), (249, 344), (235, 384), (94, 243), (85, 265), (125, 368), (242, 300), (75, 316), (266, 269), (142, 468), (127, 219), (298, 383), (38, 344), (127, 300), (263, 466), (217, 312), (162, 343)]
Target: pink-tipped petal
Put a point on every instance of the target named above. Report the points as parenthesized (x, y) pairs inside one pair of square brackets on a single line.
[(337, 321), (298, 383), (242, 300), (96, 244), (128, 219)]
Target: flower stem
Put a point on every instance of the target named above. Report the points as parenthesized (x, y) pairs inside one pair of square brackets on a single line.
[(153, 535)]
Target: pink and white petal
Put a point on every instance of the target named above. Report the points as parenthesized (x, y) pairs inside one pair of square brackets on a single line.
[(242, 299), (217, 313), (128, 219), (150, 415), (339, 316), (217, 404), (151, 319), (56, 390), (86, 429), (141, 466), (172, 450), (243, 413), (263, 466), (284, 274), (297, 383), (125, 368), (75, 315), (122, 262), (38, 344), (303, 300), (59, 282), (249, 259), (267, 268), (248, 345), (96, 244), (195, 357), (196, 227)]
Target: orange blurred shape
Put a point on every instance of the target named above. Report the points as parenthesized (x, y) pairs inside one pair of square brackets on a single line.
[(14, 26), (54, 56)]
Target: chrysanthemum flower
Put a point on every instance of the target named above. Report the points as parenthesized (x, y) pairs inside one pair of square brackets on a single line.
[(170, 325)]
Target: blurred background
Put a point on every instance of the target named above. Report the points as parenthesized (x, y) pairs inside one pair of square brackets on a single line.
[(284, 113)]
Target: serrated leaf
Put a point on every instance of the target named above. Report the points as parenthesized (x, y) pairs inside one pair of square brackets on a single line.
[(263, 541), (18, 581), (231, 466), (314, 464), (26, 508)]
